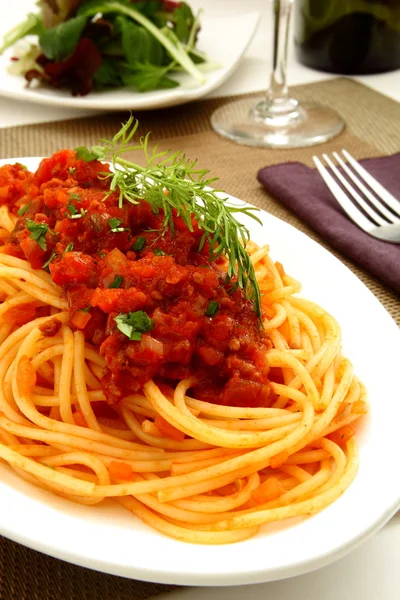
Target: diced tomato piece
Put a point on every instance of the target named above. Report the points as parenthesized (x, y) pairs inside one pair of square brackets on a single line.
[(33, 252), (81, 319), (119, 300), (73, 269), (120, 471)]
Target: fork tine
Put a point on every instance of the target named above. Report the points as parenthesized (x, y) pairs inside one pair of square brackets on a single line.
[(354, 213), (361, 202), (373, 183), (371, 197)]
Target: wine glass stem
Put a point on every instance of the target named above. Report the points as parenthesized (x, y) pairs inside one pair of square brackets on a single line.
[(282, 10), (277, 100)]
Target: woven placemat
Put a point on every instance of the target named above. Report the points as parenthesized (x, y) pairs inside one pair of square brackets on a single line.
[(373, 129)]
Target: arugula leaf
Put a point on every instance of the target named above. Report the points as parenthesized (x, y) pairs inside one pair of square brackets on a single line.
[(184, 20), (23, 209), (150, 8), (138, 44), (146, 77), (116, 283), (134, 324), (38, 232), (134, 41), (107, 75), (60, 41)]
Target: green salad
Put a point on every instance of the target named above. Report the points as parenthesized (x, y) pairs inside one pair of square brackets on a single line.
[(102, 44)]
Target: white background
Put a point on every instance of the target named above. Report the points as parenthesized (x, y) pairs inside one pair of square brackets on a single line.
[(372, 571)]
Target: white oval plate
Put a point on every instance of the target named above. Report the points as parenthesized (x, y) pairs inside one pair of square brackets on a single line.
[(223, 37), (110, 539)]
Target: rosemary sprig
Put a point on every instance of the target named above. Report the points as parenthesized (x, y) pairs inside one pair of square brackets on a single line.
[(171, 182)]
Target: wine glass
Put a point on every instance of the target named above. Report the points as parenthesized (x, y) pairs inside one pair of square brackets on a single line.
[(277, 120)]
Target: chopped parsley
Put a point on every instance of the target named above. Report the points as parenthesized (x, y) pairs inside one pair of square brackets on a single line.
[(71, 170), (72, 209), (134, 324), (23, 209), (75, 197), (117, 282), (46, 264), (38, 232), (85, 309), (159, 252), (74, 213), (212, 309), (24, 167), (69, 248), (139, 244), (114, 224)]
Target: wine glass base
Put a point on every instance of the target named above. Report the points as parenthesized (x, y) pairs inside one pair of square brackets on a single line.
[(244, 122)]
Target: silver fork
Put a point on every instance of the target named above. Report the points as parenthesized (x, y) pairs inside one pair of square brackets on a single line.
[(383, 219)]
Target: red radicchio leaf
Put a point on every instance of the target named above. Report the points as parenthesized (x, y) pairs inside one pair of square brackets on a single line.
[(170, 5), (76, 72)]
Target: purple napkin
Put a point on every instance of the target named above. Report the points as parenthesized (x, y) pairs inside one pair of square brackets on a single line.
[(302, 190)]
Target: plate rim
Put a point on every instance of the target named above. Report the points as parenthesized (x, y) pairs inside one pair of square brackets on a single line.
[(159, 99), (227, 577)]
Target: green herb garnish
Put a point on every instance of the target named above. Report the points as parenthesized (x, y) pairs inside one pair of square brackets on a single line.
[(212, 309), (24, 167), (134, 324), (139, 244), (189, 196), (38, 232), (71, 209), (69, 248), (117, 282), (115, 225), (46, 264), (74, 213), (71, 171), (76, 197), (159, 252), (85, 310), (23, 210)]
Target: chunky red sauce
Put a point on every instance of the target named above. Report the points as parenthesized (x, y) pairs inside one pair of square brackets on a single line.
[(200, 326)]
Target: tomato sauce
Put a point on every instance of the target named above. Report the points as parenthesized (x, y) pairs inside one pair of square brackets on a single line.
[(116, 261)]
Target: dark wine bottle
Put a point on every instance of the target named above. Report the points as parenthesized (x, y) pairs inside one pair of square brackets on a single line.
[(350, 37)]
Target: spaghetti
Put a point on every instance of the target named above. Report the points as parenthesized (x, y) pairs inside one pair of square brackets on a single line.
[(198, 470)]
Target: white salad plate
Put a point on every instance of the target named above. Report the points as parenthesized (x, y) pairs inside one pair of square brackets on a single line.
[(223, 37), (109, 538)]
